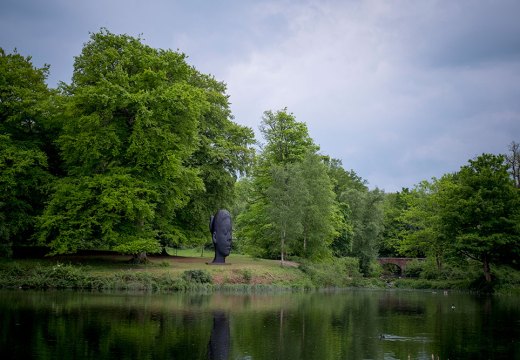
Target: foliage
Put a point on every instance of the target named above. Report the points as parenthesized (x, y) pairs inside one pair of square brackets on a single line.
[(424, 232), (320, 216), (287, 140), (484, 212), (366, 216), (339, 272), (394, 205), (290, 205), (25, 147), (285, 197), (197, 276), (149, 150), (100, 211), (342, 182)]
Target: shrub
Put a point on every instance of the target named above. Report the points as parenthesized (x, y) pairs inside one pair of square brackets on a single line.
[(336, 273), (197, 276), (247, 275), (375, 269), (414, 268), (351, 266), (6, 250)]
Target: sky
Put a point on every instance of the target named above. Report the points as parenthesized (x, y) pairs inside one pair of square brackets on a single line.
[(400, 91)]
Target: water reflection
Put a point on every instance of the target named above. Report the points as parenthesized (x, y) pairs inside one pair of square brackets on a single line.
[(218, 347), (350, 324)]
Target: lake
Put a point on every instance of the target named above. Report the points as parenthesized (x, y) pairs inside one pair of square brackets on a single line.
[(349, 324)]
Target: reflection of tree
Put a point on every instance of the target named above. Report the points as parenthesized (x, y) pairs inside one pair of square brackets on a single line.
[(218, 347), (344, 325)]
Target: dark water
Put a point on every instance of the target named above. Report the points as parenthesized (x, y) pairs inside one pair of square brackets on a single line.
[(347, 325)]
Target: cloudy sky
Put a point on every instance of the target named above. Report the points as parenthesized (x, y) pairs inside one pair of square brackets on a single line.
[(401, 91)]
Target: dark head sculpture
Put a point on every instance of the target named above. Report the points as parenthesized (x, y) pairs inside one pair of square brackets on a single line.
[(221, 235)]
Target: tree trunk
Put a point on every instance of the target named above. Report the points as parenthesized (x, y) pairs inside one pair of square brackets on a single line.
[(305, 243), (139, 258), (438, 262), (282, 246), (487, 270)]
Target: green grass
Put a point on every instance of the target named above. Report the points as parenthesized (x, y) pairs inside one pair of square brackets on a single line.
[(189, 271), (114, 272)]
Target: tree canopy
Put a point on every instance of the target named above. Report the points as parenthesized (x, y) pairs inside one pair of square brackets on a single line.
[(142, 134)]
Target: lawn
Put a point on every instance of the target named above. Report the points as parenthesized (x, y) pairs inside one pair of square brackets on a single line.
[(105, 266)]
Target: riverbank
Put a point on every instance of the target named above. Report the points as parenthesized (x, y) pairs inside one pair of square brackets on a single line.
[(182, 272), (188, 271)]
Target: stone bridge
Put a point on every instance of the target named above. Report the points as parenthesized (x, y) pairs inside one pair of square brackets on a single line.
[(399, 262)]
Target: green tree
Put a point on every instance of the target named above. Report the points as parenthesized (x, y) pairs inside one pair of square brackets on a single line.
[(484, 212), (291, 208), (320, 215), (366, 216), (287, 140), (145, 134), (343, 181), (285, 202), (394, 205), (423, 230), (24, 138)]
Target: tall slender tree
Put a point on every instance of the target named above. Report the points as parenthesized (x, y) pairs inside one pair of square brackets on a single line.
[(291, 209), (366, 214)]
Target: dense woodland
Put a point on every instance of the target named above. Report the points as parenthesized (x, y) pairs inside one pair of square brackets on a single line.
[(138, 151)]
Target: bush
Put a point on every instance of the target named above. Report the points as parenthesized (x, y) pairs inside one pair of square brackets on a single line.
[(6, 250), (247, 275), (197, 276), (375, 269), (336, 273), (414, 268), (351, 266)]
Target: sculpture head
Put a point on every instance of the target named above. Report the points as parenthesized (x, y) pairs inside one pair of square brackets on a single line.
[(221, 235)]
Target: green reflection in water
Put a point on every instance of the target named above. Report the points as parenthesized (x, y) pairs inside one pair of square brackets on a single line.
[(356, 324)]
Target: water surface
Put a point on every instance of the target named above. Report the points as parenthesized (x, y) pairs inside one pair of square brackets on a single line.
[(355, 324)]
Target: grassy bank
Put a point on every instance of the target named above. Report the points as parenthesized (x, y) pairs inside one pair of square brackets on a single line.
[(186, 270)]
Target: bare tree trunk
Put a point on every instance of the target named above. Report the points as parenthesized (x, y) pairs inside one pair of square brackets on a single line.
[(487, 270), (140, 258), (305, 241), (282, 246), (438, 262)]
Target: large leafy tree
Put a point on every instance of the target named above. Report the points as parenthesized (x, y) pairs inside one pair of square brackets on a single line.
[(144, 134), (25, 125), (484, 212)]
